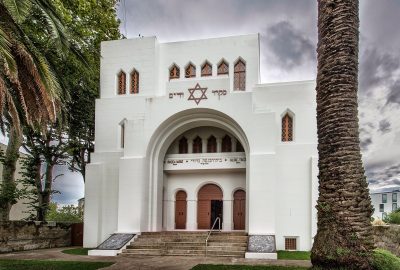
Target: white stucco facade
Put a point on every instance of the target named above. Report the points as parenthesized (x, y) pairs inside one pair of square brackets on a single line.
[(132, 186), (385, 202)]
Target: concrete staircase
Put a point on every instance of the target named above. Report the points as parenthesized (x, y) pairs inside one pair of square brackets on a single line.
[(179, 243)]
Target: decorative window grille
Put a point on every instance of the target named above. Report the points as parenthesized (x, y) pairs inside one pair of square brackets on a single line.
[(226, 144), (384, 198), (206, 70), (183, 146), (239, 147), (381, 207), (290, 243), (121, 83), (223, 68), (174, 72), (287, 128), (134, 82), (197, 145), (394, 197), (239, 81), (190, 71), (212, 145)]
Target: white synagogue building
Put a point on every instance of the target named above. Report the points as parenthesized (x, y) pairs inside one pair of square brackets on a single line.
[(186, 134)]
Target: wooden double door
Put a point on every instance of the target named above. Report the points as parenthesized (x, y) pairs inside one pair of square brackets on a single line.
[(180, 210), (209, 206), (239, 210)]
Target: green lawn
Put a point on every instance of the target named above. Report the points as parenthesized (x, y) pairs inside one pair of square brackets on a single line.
[(76, 251), (293, 255), (243, 267), (50, 265)]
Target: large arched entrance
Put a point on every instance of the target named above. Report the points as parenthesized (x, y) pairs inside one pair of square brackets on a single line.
[(180, 210), (158, 206), (239, 210), (209, 206)]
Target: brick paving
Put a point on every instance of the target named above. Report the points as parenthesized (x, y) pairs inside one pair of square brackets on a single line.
[(147, 262)]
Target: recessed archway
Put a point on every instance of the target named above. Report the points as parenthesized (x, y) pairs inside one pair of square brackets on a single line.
[(209, 206), (159, 143)]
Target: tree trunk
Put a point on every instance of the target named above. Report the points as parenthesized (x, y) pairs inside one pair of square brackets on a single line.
[(9, 187), (344, 237), (45, 195)]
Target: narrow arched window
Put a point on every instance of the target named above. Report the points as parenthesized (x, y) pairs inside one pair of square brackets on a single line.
[(190, 71), (226, 144), (223, 68), (134, 82), (174, 72), (206, 70), (239, 82), (212, 144), (183, 146), (121, 83), (197, 145), (239, 147), (287, 128)]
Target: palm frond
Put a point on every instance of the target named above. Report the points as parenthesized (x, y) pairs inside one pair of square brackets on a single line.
[(18, 9)]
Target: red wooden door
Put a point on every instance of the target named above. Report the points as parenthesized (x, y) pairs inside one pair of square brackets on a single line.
[(205, 195), (239, 210), (180, 210), (77, 234)]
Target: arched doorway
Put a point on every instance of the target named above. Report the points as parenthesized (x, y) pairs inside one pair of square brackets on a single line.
[(209, 206), (239, 210), (180, 210)]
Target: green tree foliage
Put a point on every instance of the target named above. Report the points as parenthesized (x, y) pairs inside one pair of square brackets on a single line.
[(393, 217), (67, 213), (71, 138)]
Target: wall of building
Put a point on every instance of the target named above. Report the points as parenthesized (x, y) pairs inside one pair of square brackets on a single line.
[(191, 183), (391, 204), (21, 235)]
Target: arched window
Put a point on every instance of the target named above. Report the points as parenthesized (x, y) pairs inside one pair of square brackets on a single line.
[(287, 128), (206, 70), (239, 81), (121, 83), (183, 146), (197, 145), (226, 144), (134, 82), (223, 68), (212, 144), (239, 147), (190, 71), (174, 72)]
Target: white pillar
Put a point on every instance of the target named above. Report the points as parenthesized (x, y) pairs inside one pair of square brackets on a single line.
[(227, 216), (204, 148), (219, 145), (191, 218), (190, 146), (233, 144)]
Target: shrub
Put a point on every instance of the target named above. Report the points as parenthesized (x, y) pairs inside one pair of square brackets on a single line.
[(378, 222), (384, 260), (393, 217)]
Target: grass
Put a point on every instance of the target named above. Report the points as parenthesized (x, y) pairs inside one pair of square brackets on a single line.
[(76, 251), (243, 267), (293, 255), (50, 265)]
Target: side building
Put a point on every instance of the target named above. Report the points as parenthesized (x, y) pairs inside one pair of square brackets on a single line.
[(385, 202)]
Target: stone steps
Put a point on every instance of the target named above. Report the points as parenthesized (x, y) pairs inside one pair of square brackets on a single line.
[(178, 243)]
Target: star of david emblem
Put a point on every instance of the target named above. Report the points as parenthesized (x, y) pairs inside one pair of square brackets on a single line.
[(197, 93)]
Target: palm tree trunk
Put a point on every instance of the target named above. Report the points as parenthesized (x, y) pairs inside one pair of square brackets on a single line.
[(344, 237), (9, 187)]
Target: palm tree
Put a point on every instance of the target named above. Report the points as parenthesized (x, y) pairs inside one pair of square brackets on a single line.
[(29, 89), (344, 237)]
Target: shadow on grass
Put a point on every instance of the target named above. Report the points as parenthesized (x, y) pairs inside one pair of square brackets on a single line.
[(76, 251)]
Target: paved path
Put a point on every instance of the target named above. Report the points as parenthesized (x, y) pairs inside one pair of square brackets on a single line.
[(146, 262)]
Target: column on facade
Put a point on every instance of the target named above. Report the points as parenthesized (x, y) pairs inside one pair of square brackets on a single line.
[(190, 145), (219, 145), (227, 215), (204, 147), (233, 141), (191, 218)]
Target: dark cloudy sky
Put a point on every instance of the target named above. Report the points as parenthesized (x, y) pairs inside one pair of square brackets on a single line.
[(288, 30)]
